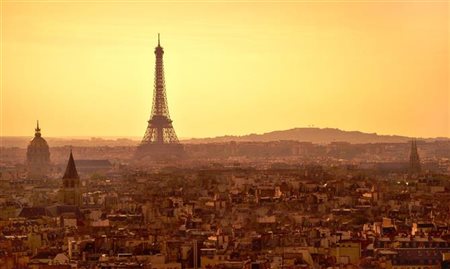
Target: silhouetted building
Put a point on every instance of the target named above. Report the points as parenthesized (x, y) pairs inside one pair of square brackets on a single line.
[(160, 140), (38, 155), (71, 192), (414, 160)]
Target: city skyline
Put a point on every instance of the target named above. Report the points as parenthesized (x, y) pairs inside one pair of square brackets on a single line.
[(239, 69), (320, 134)]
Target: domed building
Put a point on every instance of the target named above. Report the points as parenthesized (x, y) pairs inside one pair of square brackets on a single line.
[(38, 156)]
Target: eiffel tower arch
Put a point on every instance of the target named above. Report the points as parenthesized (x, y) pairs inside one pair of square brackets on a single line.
[(160, 141)]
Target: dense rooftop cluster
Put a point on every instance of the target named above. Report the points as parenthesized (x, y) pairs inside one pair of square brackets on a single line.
[(259, 215)]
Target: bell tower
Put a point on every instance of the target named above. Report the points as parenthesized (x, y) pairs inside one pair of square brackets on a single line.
[(71, 184)]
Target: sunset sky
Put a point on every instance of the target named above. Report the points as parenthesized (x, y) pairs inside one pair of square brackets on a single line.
[(86, 68)]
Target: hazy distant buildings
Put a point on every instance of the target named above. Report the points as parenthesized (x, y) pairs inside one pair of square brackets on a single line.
[(38, 155), (71, 192), (93, 166), (160, 140)]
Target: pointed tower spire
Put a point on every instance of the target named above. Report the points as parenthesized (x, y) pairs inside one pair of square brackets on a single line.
[(158, 41), (71, 169), (37, 130), (414, 160)]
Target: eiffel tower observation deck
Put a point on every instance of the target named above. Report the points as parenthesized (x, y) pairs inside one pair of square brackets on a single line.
[(160, 141)]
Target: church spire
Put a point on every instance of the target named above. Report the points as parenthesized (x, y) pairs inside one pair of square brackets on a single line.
[(37, 130), (414, 160), (158, 41), (71, 169)]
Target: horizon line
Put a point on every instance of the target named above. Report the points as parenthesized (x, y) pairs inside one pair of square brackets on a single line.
[(136, 137)]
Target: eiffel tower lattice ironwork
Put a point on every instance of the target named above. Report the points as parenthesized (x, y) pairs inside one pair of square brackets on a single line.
[(160, 137)]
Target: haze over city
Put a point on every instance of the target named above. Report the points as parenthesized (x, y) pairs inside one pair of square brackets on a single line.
[(87, 69), (318, 134)]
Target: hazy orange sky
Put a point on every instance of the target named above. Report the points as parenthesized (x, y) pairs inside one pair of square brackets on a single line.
[(86, 68)]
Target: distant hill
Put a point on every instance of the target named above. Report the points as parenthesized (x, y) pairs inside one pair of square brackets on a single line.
[(314, 135)]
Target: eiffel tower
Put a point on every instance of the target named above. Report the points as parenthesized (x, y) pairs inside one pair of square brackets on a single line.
[(160, 140)]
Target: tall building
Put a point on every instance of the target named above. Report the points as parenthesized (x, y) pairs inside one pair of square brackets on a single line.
[(71, 191), (38, 155), (414, 160), (160, 140)]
